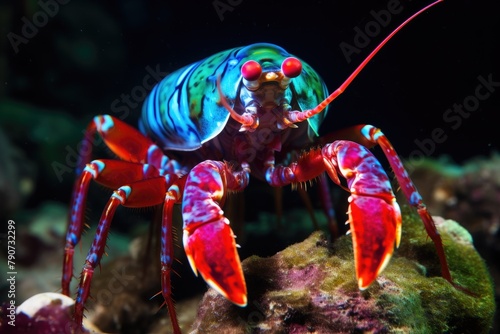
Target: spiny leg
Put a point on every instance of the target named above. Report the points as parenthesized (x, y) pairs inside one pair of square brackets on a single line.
[(172, 197), (130, 145), (208, 240), (142, 193), (110, 173)]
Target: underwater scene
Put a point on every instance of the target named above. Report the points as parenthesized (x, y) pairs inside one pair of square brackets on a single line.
[(236, 166)]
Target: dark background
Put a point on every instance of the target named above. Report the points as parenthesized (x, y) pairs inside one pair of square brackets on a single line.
[(90, 53)]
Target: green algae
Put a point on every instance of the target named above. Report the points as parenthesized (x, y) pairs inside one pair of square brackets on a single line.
[(311, 285)]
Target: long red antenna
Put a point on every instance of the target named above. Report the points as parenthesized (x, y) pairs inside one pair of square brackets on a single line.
[(299, 116)]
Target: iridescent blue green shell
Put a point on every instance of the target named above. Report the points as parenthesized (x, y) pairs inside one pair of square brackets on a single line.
[(182, 111)]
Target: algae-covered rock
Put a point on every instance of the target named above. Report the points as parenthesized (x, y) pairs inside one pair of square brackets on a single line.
[(468, 193), (310, 287)]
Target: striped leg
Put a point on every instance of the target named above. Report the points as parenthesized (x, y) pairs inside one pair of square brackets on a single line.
[(110, 173), (128, 144), (141, 193), (148, 173), (172, 197), (375, 136)]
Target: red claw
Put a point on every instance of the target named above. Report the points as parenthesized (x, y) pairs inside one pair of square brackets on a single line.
[(211, 250), (374, 214), (376, 229), (208, 240)]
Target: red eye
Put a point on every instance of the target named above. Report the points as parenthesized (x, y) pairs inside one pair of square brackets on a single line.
[(291, 67), (251, 70)]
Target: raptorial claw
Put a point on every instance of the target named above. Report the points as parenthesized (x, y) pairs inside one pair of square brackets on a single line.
[(374, 214), (208, 239), (211, 251), (376, 229)]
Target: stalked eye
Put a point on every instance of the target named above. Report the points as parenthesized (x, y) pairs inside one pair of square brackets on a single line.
[(251, 70), (291, 67)]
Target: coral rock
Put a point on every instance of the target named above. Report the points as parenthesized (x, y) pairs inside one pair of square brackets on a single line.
[(310, 287)]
